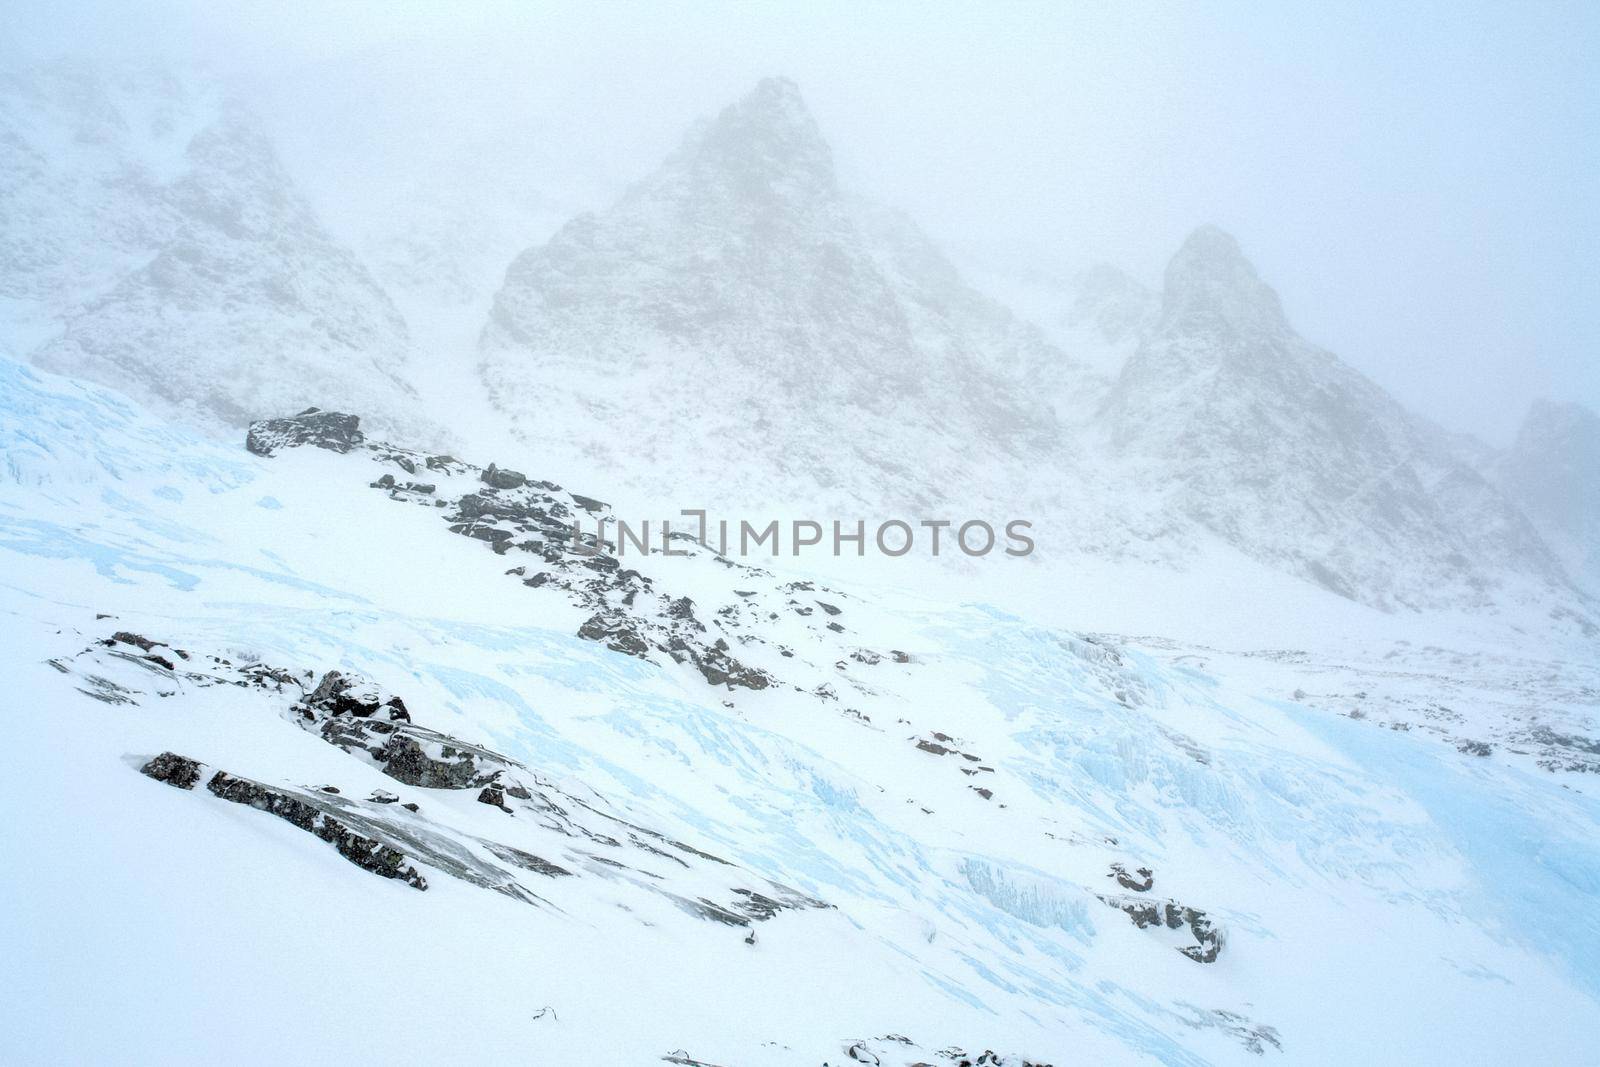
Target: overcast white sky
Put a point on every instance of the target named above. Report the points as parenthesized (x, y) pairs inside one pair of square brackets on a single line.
[(1418, 181)]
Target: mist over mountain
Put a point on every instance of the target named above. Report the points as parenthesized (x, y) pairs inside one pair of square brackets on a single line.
[(1553, 472), (1280, 449), (153, 241), (821, 348), (326, 646)]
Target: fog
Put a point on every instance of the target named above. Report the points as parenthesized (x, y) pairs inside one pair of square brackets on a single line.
[(1418, 184)]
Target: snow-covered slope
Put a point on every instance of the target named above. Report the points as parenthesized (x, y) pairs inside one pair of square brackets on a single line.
[(1553, 472), (1109, 314), (900, 828), (824, 349), (1244, 428), (150, 240)]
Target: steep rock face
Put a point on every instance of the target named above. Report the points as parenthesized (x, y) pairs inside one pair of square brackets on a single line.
[(151, 240), (1553, 472), (1281, 450), (739, 285), (1108, 316)]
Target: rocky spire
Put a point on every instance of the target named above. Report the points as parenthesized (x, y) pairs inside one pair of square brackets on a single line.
[(766, 143), (1210, 285)]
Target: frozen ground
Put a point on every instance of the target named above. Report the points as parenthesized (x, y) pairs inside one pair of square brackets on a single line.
[(1375, 893)]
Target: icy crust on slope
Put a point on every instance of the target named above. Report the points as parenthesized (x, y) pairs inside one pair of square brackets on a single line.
[(1538, 713), (151, 240), (59, 433), (1006, 823), (1244, 428), (556, 835), (827, 345)]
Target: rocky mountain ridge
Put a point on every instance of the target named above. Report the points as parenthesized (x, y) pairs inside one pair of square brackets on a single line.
[(825, 346), (1283, 451), (150, 239)]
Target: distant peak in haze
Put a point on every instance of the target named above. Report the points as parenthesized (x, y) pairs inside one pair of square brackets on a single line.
[(1545, 415), (766, 141), (1210, 279)]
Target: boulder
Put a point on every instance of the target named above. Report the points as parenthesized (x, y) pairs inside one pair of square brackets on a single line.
[(333, 430), (500, 478), (173, 769)]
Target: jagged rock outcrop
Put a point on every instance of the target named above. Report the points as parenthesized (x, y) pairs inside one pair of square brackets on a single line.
[(846, 352), (1271, 444), (629, 612), (370, 854), (1169, 914), (332, 430), (150, 239)]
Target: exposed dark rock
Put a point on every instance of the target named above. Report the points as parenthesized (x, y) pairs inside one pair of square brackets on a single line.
[(336, 694), (404, 759), (617, 632), (719, 668), (1174, 916), (367, 853), (499, 478), (123, 637), (332, 430), (173, 769), (389, 838), (1140, 881)]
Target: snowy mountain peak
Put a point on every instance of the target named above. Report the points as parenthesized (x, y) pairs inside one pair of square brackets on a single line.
[(739, 262), (765, 146), (1553, 472), (151, 238), (1284, 452), (1211, 286)]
